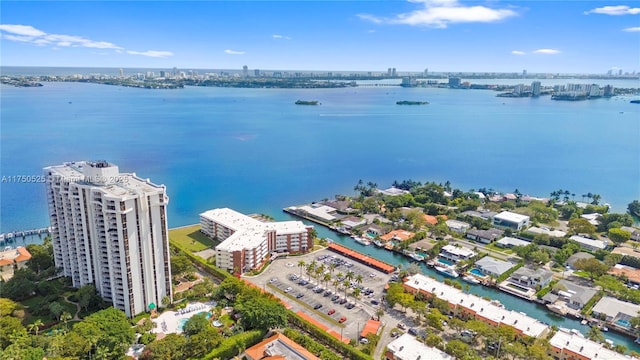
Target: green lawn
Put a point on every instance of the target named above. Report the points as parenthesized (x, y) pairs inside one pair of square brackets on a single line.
[(191, 239)]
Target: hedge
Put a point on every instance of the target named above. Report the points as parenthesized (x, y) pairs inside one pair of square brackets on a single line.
[(545, 290), (313, 346), (508, 273), (348, 352), (229, 346)]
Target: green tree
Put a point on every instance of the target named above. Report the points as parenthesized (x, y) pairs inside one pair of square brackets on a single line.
[(634, 208), (8, 326), (581, 226), (619, 236), (171, 347), (115, 329), (595, 334), (7, 307), (20, 286), (200, 344), (181, 264), (197, 323), (594, 267), (260, 312), (301, 265), (41, 257), (56, 309)]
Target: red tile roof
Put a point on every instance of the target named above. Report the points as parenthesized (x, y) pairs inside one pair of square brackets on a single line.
[(376, 264)]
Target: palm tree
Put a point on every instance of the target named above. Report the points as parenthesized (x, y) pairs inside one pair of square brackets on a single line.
[(35, 326), (595, 334), (102, 353), (345, 284), (336, 283), (326, 278), (356, 293), (332, 267), (358, 279), (596, 199), (310, 269), (301, 265), (379, 312), (350, 275), (64, 317)]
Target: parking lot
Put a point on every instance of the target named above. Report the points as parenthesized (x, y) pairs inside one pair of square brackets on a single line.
[(319, 298)]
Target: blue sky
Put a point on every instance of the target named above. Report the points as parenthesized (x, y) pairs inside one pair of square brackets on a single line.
[(441, 35)]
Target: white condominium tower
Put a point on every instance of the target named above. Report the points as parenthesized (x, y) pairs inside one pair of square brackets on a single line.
[(110, 229)]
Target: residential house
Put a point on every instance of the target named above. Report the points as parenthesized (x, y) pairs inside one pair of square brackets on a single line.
[(510, 220), (278, 346), (351, 222), (484, 236), (615, 312), (509, 242), (546, 231), (456, 254), (575, 296), (631, 274), (458, 226), (11, 260), (493, 267), (406, 347), (531, 278), (483, 214), (590, 244), (397, 235), (571, 261), (635, 232)]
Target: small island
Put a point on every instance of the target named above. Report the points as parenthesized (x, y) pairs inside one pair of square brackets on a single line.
[(307, 102), (406, 102)]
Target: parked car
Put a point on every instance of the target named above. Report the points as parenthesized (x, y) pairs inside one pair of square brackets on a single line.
[(342, 319), (288, 289), (350, 306), (273, 280), (317, 306), (402, 326), (331, 312), (299, 296), (327, 293), (343, 301), (364, 341), (375, 302), (413, 331)]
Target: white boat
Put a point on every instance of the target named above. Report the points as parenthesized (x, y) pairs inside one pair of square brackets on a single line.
[(416, 257), (470, 279), (447, 271), (362, 241), (378, 243)]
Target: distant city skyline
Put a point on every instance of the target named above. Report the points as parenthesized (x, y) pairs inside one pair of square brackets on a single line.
[(594, 37)]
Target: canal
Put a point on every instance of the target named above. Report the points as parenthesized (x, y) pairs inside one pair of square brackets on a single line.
[(511, 302)]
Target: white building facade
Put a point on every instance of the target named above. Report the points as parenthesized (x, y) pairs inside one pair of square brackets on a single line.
[(507, 219), (110, 229)]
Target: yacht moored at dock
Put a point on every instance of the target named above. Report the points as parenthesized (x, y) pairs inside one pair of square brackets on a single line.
[(448, 271)]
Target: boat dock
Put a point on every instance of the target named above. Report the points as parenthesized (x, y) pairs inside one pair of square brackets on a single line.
[(364, 259), (10, 236)]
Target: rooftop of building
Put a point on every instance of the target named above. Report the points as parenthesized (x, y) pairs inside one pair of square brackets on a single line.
[(546, 231), (401, 235), (598, 244), (481, 307), (406, 347), (393, 191), (248, 232), (577, 256), (614, 307), (279, 346), (115, 183), (511, 217), (629, 272), (491, 233), (623, 250), (509, 241), (17, 255), (526, 272), (564, 340), (494, 265), (458, 251)]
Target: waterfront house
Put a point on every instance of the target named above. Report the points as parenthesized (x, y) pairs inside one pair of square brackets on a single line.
[(423, 245), (493, 267), (510, 220), (397, 235), (393, 191), (531, 278), (615, 312), (573, 295), (342, 206), (592, 218), (571, 261), (469, 306), (456, 254), (433, 220), (406, 347), (351, 222), (635, 232), (626, 251), (374, 230), (458, 226), (631, 274), (322, 213), (566, 345), (589, 244), (509, 242), (525, 199), (484, 236), (11, 260)]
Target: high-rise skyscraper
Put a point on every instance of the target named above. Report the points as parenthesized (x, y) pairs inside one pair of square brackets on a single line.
[(535, 88), (245, 71), (110, 230)]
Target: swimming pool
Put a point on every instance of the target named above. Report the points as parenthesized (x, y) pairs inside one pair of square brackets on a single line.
[(623, 322), (477, 272), (445, 261)]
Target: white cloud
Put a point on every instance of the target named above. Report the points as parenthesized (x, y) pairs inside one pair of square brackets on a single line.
[(233, 52), (29, 34), (632, 29), (547, 51), (614, 10), (518, 52), (441, 13), (151, 53), (278, 36), (21, 30)]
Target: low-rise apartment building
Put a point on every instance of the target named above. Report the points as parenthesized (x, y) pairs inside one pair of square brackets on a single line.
[(247, 243)]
